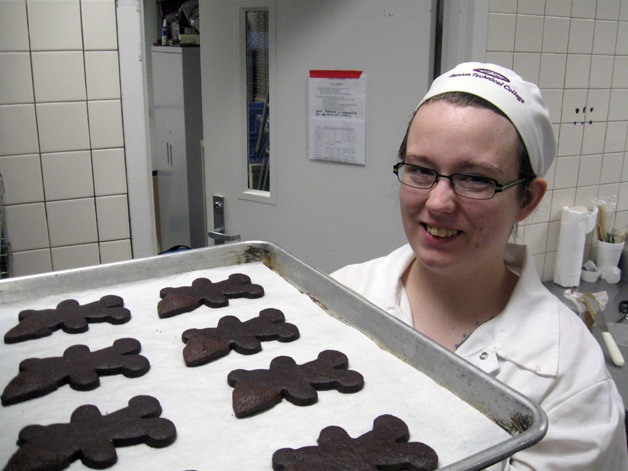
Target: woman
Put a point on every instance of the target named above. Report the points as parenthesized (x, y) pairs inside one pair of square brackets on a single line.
[(471, 167)]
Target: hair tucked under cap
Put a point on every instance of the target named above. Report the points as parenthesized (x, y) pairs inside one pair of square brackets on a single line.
[(519, 100)]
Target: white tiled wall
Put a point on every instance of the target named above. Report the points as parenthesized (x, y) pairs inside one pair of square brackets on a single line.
[(577, 51), (61, 137)]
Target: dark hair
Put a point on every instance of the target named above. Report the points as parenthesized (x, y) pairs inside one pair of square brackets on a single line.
[(464, 99)]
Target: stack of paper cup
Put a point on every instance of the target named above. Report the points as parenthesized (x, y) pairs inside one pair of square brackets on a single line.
[(607, 256)]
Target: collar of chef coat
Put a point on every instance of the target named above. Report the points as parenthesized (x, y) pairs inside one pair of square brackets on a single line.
[(526, 333)]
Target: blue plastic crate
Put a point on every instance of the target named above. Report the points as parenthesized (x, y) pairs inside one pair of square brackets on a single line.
[(255, 111)]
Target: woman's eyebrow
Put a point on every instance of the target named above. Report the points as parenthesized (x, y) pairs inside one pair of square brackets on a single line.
[(417, 159), (466, 166), (475, 166)]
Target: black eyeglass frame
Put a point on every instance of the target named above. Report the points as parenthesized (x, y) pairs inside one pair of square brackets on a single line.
[(499, 187)]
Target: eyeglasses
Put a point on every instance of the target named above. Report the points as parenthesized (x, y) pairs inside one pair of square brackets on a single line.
[(477, 187)]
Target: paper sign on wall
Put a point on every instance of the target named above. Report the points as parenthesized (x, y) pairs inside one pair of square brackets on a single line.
[(337, 116)]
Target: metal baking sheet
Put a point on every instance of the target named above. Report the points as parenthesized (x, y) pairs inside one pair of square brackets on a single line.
[(523, 421)]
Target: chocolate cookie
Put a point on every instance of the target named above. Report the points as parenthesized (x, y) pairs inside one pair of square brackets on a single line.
[(258, 390), (78, 367), (202, 291), (70, 316), (92, 437), (205, 345), (384, 447)]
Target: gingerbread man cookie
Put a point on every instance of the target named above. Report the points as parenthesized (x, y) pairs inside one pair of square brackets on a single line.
[(258, 390), (70, 316), (203, 291), (205, 345), (78, 367), (384, 447), (92, 437)]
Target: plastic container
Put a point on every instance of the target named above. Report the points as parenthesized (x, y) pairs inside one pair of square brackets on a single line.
[(590, 276), (165, 33)]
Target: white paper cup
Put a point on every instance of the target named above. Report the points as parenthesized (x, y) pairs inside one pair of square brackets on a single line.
[(608, 254)]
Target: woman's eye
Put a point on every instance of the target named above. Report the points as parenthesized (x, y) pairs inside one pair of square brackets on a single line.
[(420, 172), (474, 181)]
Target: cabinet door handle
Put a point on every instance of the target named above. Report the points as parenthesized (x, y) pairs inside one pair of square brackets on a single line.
[(169, 153)]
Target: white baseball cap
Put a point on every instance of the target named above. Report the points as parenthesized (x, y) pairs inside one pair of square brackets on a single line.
[(518, 99)]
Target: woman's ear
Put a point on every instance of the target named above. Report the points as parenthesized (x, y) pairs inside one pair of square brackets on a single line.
[(534, 194)]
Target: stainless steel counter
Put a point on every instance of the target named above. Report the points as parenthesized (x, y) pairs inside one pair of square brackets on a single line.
[(617, 323)]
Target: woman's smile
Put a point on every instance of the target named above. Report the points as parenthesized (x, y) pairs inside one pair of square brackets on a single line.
[(440, 232)]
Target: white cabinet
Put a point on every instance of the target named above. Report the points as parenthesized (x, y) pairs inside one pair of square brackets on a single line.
[(178, 157)]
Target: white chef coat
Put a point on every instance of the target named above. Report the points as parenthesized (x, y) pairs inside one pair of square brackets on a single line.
[(537, 346)]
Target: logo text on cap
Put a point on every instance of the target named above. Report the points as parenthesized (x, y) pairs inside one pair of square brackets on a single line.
[(493, 74), (493, 77)]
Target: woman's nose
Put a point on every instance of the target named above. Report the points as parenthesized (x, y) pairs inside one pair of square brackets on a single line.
[(441, 197)]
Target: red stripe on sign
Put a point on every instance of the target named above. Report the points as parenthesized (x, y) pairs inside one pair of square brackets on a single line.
[(344, 74)]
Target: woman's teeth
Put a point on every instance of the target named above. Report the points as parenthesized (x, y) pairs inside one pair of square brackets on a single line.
[(438, 232)]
